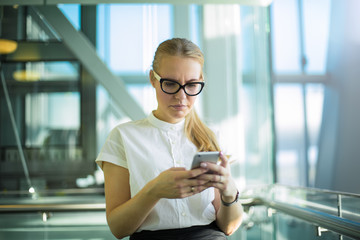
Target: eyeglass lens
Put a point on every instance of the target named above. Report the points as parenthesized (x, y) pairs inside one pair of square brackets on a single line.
[(172, 87)]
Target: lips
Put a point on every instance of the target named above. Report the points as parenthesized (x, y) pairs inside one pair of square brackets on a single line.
[(178, 106)]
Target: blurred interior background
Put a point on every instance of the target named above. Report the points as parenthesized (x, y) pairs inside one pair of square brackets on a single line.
[(281, 87)]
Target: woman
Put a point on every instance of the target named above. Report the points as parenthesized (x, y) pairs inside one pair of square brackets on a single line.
[(150, 191)]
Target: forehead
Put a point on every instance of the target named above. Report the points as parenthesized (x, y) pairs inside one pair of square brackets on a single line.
[(177, 66)]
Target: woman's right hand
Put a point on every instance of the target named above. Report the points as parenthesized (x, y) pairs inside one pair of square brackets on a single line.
[(177, 183)]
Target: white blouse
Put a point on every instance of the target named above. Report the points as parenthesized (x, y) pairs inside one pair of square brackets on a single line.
[(148, 147)]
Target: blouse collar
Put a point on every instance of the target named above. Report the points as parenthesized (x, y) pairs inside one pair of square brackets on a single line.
[(165, 125)]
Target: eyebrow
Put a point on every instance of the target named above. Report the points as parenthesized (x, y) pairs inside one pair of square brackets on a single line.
[(186, 81)]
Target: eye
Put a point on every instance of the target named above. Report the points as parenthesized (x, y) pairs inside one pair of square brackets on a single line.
[(192, 85), (169, 84)]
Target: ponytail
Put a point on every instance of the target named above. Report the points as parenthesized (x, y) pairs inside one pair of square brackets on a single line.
[(199, 134)]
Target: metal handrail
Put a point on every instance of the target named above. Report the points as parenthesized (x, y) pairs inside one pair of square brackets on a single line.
[(68, 191), (51, 207), (330, 222), (317, 190)]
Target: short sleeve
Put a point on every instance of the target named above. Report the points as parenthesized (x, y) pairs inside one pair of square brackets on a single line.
[(113, 151)]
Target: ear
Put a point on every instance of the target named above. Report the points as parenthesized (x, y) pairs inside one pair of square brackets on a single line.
[(151, 77)]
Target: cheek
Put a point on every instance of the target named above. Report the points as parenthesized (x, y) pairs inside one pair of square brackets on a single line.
[(192, 100), (162, 97)]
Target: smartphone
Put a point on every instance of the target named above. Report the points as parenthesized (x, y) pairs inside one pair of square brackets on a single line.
[(205, 157)]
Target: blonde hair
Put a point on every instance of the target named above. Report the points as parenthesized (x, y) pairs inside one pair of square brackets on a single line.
[(196, 131)]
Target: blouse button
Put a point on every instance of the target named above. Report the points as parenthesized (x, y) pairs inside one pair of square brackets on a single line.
[(183, 214)]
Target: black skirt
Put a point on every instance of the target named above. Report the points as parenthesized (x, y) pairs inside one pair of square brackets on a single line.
[(206, 232)]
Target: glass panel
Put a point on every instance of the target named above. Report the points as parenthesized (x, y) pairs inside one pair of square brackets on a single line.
[(72, 12), (145, 96), (292, 168), (254, 96), (314, 106), (59, 225), (316, 33), (289, 124), (41, 71), (108, 116), (122, 56), (48, 121), (323, 201), (285, 36), (195, 27), (347, 238), (146, 26), (46, 108), (36, 28), (256, 225), (351, 207), (288, 227), (309, 198)]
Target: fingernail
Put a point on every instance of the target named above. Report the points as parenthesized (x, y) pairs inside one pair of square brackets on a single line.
[(204, 165)]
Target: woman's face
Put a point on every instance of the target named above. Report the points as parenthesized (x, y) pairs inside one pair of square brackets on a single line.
[(173, 108)]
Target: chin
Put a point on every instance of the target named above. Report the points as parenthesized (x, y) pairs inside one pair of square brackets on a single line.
[(178, 117)]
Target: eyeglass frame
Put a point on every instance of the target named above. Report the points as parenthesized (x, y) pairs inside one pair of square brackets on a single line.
[(161, 80)]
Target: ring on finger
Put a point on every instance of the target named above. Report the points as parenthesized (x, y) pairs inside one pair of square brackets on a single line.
[(192, 189), (220, 179)]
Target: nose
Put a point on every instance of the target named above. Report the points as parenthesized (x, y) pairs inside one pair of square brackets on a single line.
[(180, 94)]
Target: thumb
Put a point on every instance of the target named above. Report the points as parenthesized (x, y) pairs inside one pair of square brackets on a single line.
[(224, 160)]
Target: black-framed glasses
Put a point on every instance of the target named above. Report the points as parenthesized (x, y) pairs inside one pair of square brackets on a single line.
[(171, 87)]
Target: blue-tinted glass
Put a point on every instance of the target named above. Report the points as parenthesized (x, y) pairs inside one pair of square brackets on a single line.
[(194, 26), (132, 32), (102, 28), (72, 12), (314, 106), (164, 23), (48, 120), (316, 33), (289, 122), (59, 107), (126, 35), (248, 43), (285, 36), (145, 95)]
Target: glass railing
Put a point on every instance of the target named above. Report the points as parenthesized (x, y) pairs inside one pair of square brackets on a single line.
[(57, 214), (284, 212), (272, 212)]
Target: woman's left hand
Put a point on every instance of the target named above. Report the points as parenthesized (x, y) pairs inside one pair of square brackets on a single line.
[(218, 176)]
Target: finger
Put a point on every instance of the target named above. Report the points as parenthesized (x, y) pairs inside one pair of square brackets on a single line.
[(211, 178), (177, 169), (192, 173), (218, 185), (196, 181), (214, 168), (182, 173), (196, 189), (224, 160)]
